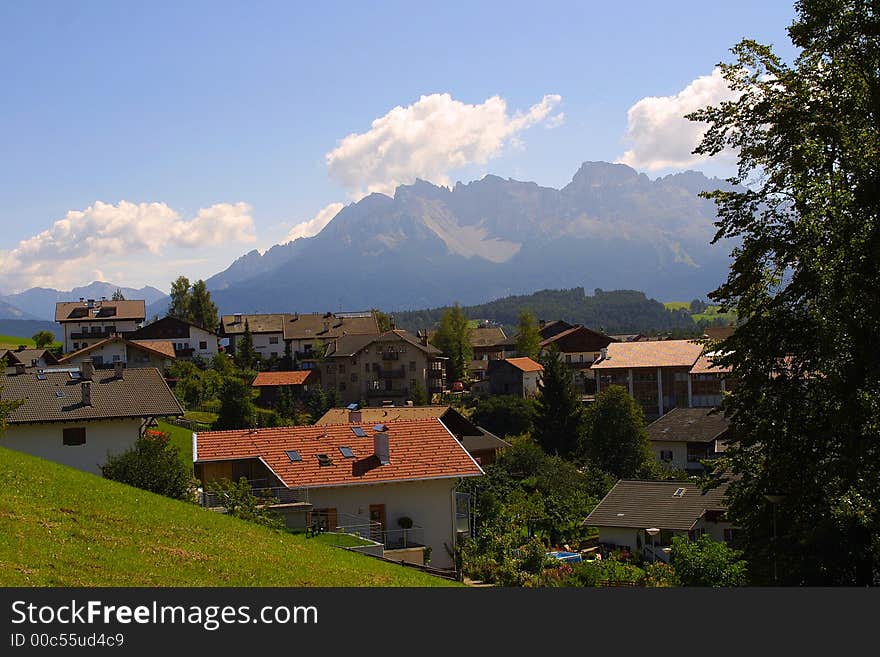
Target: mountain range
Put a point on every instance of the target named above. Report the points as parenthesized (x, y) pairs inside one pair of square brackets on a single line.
[(39, 302), (610, 227)]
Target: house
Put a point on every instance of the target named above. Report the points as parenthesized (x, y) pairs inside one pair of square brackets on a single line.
[(681, 508), (37, 358), (488, 342), (189, 340), (87, 321), (379, 369), (514, 376), (306, 333), (356, 478), (131, 353), (685, 436), (579, 347), (483, 445), (270, 384), (708, 382), (77, 416), (656, 373)]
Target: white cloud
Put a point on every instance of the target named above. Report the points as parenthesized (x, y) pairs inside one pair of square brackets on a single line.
[(104, 236), (428, 139), (657, 133), (314, 225)]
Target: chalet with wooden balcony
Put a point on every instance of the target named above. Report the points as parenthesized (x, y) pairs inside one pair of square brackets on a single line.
[(382, 369), (87, 321)]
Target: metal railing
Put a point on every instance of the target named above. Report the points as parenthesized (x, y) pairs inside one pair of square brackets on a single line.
[(372, 530), (281, 494)]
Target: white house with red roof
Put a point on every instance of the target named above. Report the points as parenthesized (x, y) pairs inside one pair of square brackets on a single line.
[(358, 478)]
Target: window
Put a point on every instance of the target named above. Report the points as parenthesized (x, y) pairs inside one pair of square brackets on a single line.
[(412, 366), (273, 340), (75, 346), (203, 345), (341, 369), (273, 354), (730, 534), (367, 367), (580, 358), (116, 358), (679, 492), (346, 452), (293, 455), (342, 386), (567, 358), (323, 519), (666, 455), (74, 436), (354, 377)]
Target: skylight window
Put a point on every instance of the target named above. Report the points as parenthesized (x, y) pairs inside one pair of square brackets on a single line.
[(380, 428), (41, 376), (75, 375), (346, 452), (293, 455), (59, 393), (323, 459), (360, 433), (679, 492)]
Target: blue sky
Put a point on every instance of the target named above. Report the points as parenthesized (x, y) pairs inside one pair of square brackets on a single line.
[(193, 105)]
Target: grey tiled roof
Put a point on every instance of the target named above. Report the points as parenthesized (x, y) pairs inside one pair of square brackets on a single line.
[(349, 345), (644, 504), (142, 392), (690, 425)]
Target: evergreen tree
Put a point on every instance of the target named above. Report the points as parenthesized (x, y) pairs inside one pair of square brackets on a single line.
[(616, 440), (117, 295), (287, 362), (805, 281), (202, 310), (245, 354), (419, 394), (528, 339), (453, 338), (559, 414), (237, 409), (179, 306)]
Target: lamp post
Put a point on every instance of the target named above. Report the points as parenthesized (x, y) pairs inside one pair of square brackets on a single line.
[(774, 500), (652, 532)]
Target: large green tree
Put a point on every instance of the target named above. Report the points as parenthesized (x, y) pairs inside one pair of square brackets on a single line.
[(528, 339), (245, 355), (237, 409), (616, 440), (805, 281), (559, 416), (179, 304), (43, 339), (202, 309), (453, 338)]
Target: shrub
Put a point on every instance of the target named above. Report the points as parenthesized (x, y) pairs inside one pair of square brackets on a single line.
[(153, 464), (239, 501), (705, 562)]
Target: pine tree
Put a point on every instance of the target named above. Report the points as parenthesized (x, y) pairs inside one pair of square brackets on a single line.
[(117, 295), (236, 405), (559, 420), (245, 354)]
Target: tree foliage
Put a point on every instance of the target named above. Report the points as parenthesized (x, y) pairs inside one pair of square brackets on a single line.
[(559, 417), (238, 499), (616, 440), (117, 295), (705, 562), (202, 310), (179, 305), (43, 339), (528, 339), (453, 338), (153, 464), (237, 409), (246, 357), (805, 281), (383, 320), (505, 415)]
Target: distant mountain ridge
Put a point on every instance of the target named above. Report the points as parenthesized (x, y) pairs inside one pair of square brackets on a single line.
[(39, 302), (610, 227)]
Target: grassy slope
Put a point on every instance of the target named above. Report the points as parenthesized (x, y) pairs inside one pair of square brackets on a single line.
[(62, 527), (12, 342), (182, 437), (711, 313)]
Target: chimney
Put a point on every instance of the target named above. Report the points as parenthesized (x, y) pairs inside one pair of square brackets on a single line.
[(118, 368), (87, 369), (380, 444), (86, 387), (423, 338), (90, 303), (19, 368), (82, 299), (354, 414), (238, 318), (21, 347)]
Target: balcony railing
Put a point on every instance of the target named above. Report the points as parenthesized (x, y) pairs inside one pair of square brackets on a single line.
[(393, 373), (391, 539), (397, 392), (84, 335), (282, 494), (390, 355)]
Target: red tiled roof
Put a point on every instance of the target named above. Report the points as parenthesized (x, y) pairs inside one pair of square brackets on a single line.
[(704, 366), (283, 378), (419, 449), (525, 364), (657, 353)]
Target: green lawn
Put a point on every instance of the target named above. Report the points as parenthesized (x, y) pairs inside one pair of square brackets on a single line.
[(182, 437), (710, 315), (341, 540), (13, 342), (63, 527), (201, 417), (677, 305)]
